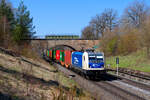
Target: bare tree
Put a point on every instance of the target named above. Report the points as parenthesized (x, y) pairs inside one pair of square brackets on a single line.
[(105, 21), (87, 33), (135, 14), (111, 18), (98, 24)]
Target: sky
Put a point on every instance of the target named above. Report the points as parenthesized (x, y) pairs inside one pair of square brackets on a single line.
[(64, 17)]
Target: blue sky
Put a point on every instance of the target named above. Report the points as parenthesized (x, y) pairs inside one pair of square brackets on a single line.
[(67, 16)]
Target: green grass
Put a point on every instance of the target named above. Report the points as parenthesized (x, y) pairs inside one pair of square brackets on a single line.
[(137, 61)]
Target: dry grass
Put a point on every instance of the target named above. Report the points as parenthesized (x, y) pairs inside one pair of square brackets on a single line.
[(24, 80)]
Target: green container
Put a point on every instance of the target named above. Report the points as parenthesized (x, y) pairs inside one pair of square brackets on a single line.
[(48, 53), (62, 56), (53, 54)]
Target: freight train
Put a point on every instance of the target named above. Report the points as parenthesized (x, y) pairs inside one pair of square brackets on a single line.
[(89, 64)]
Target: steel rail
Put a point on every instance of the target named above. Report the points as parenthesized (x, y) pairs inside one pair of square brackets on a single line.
[(142, 76)]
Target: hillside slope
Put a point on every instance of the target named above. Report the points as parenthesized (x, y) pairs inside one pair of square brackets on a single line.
[(25, 79), (137, 61)]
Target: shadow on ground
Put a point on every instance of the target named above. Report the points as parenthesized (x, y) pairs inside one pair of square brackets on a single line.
[(8, 97), (29, 78), (36, 65), (106, 77)]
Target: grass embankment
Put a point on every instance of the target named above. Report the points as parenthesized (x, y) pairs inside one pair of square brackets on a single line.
[(22, 80), (137, 61)]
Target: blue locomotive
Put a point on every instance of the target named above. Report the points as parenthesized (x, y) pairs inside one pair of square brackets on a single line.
[(89, 63)]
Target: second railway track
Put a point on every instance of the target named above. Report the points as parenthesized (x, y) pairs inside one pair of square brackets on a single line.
[(138, 77)]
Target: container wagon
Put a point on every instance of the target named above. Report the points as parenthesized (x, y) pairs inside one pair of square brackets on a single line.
[(53, 54), (62, 57), (57, 55), (50, 53), (67, 58)]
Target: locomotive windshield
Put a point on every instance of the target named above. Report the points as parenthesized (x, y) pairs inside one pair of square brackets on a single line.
[(96, 58)]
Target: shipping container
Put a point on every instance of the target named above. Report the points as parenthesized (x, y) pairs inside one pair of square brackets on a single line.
[(47, 53), (67, 58), (62, 58), (77, 59), (50, 53), (58, 55), (53, 54)]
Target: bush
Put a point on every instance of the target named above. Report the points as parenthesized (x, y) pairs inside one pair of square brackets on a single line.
[(122, 41), (109, 43), (128, 43)]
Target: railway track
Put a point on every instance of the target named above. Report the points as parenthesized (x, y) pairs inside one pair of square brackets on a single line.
[(118, 92), (129, 86), (132, 82), (136, 76), (110, 87)]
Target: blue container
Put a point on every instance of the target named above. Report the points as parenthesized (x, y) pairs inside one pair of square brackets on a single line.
[(77, 59)]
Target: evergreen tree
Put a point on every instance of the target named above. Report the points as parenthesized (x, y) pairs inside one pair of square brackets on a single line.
[(24, 28), (6, 10), (6, 22)]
